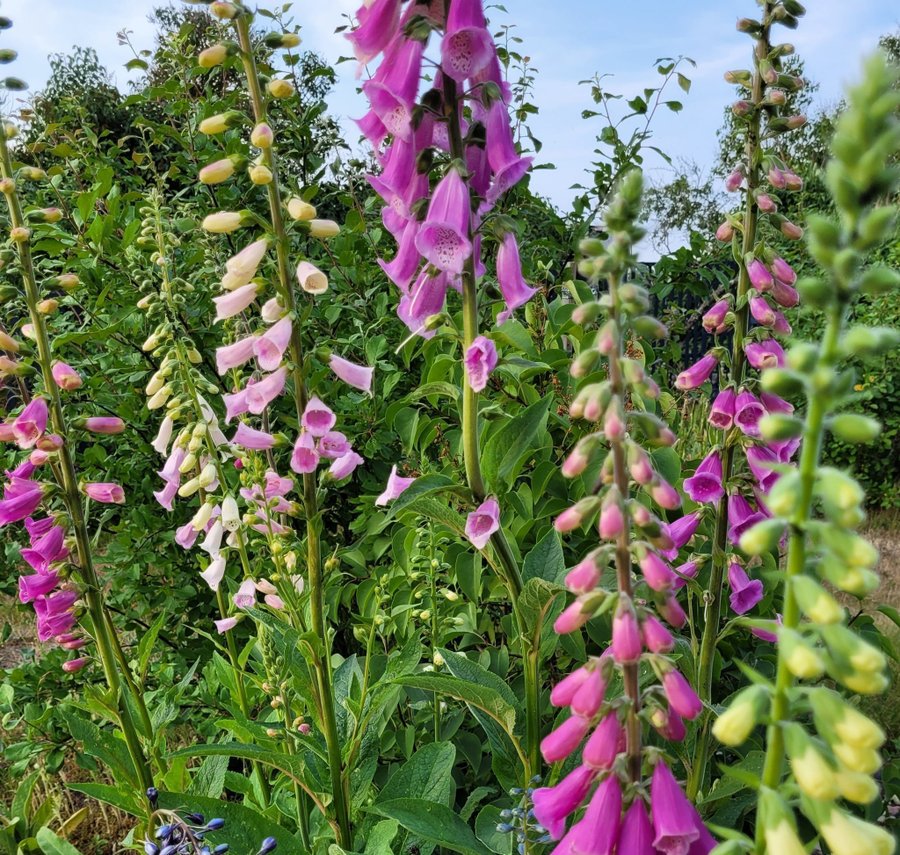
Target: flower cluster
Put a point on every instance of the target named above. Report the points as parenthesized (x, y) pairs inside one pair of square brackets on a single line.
[(613, 755), (765, 289), (436, 229), (838, 756)]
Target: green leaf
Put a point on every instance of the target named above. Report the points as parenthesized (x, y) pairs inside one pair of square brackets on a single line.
[(546, 560), (111, 796), (438, 389), (890, 612), (424, 486), (103, 745), (426, 775), (505, 448), (291, 764), (244, 828), (486, 828), (745, 774), (378, 840), (439, 512), (667, 462), (209, 779), (464, 668), (51, 844), (684, 82), (434, 822), (132, 64)]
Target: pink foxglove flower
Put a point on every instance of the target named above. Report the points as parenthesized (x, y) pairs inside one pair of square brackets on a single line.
[(344, 465), (626, 636), (426, 298), (560, 743), (508, 165), (224, 625), (443, 238), (105, 491), (392, 89), (406, 262), (245, 597), (164, 436), (597, 832), (234, 355), (515, 290), (697, 374), (764, 354), (65, 376), (317, 418), (378, 22), (104, 424), (705, 485), (29, 426), (762, 312), (562, 693), (747, 412), (682, 698), (785, 295), (760, 460), (259, 395), (741, 516), (333, 445), (72, 665), (305, 457), (602, 747), (745, 592), (186, 535), (395, 487), (714, 319), (656, 637), (271, 311), (269, 348), (636, 836), (675, 829), (783, 271), (37, 585), (252, 439), (215, 572), (234, 302), (45, 549), (467, 47), (242, 267), (681, 531), (55, 613), (721, 414), (657, 574), (480, 361), (760, 278), (587, 700), (553, 805), (483, 522), (357, 376)]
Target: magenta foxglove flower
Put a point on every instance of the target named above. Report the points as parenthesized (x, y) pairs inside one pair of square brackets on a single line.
[(657, 574), (597, 832), (72, 665), (224, 625), (305, 457), (29, 426), (392, 90), (587, 700), (583, 577), (612, 521), (745, 592), (269, 348), (760, 278), (785, 295), (480, 360), (656, 637), (783, 271), (104, 424), (317, 418), (357, 376), (626, 636), (602, 747), (760, 460), (234, 302), (55, 614), (681, 697), (483, 522), (636, 836), (747, 413), (395, 487), (46, 549), (741, 516), (562, 693), (714, 319), (378, 24), (105, 491), (443, 238), (37, 585), (426, 298), (664, 494), (705, 485), (508, 165), (697, 374), (560, 743), (762, 312), (65, 376), (764, 354), (245, 597), (553, 805), (721, 414), (781, 324), (344, 465), (259, 395), (252, 439), (406, 262), (681, 531), (467, 47), (571, 619), (674, 827)]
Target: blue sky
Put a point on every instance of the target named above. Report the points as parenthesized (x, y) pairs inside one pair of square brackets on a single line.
[(568, 41)]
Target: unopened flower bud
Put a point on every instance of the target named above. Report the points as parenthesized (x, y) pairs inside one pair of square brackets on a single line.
[(815, 602), (280, 88), (223, 10), (212, 56), (744, 712), (324, 228), (261, 136), (300, 210), (260, 174)]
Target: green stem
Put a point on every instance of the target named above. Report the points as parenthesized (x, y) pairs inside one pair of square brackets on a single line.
[(100, 621), (339, 781), (474, 477), (715, 591)]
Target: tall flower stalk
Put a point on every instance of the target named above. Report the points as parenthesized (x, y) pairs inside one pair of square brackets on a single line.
[(733, 483), (64, 571), (616, 755), (460, 131), (839, 757)]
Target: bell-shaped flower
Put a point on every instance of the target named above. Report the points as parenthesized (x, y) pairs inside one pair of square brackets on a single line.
[(47, 548), (245, 597), (714, 318), (674, 827), (37, 585), (406, 262), (467, 47), (243, 266), (344, 465), (705, 485), (681, 697), (55, 613), (626, 635), (105, 491), (224, 625), (747, 412), (234, 302), (741, 516), (426, 298), (561, 742), (215, 572), (553, 805), (443, 238), (697, 374), (480, 360), (745, 592), (721, 413), (261, 394), (317, 417), (597, 832), (636, 835), (234, 355), (515, 290), (65, 376), (378, 24), (252, 439), (333, 445), (395, 487), (602, 747), (271, 345), (483, 522), (311, 279), (357, 376), (29, 426), (107, 425), (305, 457), (508, 165), (392, 90)]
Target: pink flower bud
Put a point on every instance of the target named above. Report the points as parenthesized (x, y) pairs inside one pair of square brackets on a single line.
[(657, 638), (725, 232), (760, 278), (104, 425), (783, 271), (733, 182), (72, 665), (697, 374), (66, 377), (682, 698), (714, 319), (791, 231), (613, 423), (657, 574), (38, 457), (776, 178), (571, 619), (672, 613), (766, 203), (560, 743), (792, 181), (106, 492), (785, 295), (665, 495), (225, 624), (612, 521), (626, 636), (669, 724), (583, 577), (762, 312), (602, 747), (562, 693), (589, 697)]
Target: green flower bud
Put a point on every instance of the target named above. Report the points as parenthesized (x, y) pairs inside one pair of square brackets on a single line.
[(801, 658), (744, 712), (762, 537), (876, 226), (779, 826), (852, 427), (802, 356), (839, 488), (846, 646), (649, 327), (777, 426), (814, 291), (815, 602), (853, 549), (869, 341), (781, 381), (879, 280)]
